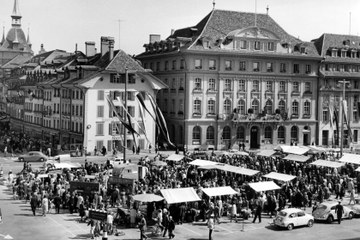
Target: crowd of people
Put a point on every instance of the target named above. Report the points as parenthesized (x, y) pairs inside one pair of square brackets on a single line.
[(311, 186)]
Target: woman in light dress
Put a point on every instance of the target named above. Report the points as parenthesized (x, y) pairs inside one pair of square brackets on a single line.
[(45, 205)]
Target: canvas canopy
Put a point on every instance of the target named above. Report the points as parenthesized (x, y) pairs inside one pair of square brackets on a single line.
[(264, 186), (292, 149), (66, 165), (316, 149), (297, 158), (180, 195), (175, 157), (350, 158), (324, 163), (358, 169), (280, 176), (200, 162), (266, 153), (219, 191), (238, 170)]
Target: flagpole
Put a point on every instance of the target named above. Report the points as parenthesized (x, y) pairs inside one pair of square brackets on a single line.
[(125, 116)]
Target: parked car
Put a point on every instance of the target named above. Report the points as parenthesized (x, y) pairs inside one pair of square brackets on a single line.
[(356, 208), (33, 156), (326, 212), (116, 160), (293, 217)]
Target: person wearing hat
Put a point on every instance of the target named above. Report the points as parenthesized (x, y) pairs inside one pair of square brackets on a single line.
[(339, 210), (142, 227)]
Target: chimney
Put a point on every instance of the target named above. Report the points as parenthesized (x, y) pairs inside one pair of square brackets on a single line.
[(90, 49), (104, 45), (172, 31), (154, 38), (111, 47)]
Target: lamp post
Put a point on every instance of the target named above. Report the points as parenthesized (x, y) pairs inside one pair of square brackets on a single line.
[(342, 110)]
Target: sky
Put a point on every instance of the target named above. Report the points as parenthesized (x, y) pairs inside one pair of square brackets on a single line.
[(61, 24)]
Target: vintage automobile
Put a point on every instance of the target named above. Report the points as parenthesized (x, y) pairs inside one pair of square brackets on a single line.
[(293, 217), (33, 156), (116, 160), (356, 208), (326, 212)]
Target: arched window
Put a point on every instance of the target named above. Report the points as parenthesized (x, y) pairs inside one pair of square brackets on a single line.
[(281, 134), (282, 107), (241, 107), (210, 135), (240, 134), (226, 133), (295, 108), (268, 107), (255, 106), (227, 106), (196, 135), (294, 134), (268, 134), (211, 106), (307, 107)]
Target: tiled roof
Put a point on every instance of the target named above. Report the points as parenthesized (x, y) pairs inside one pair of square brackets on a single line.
[(16, 61), (329, 59), (339, 74), (328, 40), (121, 61)]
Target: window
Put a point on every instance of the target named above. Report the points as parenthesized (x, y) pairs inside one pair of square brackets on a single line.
[(308, 68), (270, 46), (283, 67), (228, 64), (210, 135), (269, 86), (211, 84), (307, 108), (308, 87), (100, 128), (182, 64), (131, 110), (326, 67), (173, 83), (242, 66), (211, 107), (173, 106), (282, 87), (99, 144), (295, 108), (295, 86), (282, 106), (181, 84), (198, 64), (241, 107), (227, 106), (197, 84), (269, 67), (226, 133), (257, 45), (100, 111), (255, 106), (165, 106), (196, 135), (212, 64), (294, 134), (268, 107), (296, 68), (227, 84), (242, 85), (346, 68), (256, 66), (166, 65), (325, 115), (243, 44), (157, 66), (181, 106), (255, 86), (268, 134), (281, 134), (173, 64), (115, 78), (355, 136), (197, 107), (240, 134)]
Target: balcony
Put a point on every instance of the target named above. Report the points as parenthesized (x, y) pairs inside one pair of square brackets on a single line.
[(295, 93), (294, 116), (196, 115), (197, 90), (306, 116)]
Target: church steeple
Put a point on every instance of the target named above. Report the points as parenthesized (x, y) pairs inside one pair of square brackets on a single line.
[(3, 37), (16, 16), (28, 38)]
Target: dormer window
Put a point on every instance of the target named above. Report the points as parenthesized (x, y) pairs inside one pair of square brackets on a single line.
[(257, 45), (334, 53), (206, 44), (243, 44), (228, 65), (198, 64), (302, 50), (343, 53), (271, 46)]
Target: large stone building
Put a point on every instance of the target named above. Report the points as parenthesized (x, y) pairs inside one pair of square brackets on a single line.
[(236, 78)]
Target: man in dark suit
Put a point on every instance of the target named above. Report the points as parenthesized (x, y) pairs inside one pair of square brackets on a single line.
[(339, 210)]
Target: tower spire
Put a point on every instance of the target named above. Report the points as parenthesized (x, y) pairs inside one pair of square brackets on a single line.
[(16, 16), (3, 37), (214, 3)]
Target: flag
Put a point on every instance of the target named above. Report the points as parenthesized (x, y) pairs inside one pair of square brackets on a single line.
[(143, 120), (346, 120), (331, 113), (336, 119)]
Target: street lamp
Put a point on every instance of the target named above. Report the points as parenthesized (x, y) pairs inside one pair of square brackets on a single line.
[(343, 82)]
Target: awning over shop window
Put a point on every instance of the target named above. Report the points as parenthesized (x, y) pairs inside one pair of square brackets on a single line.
[(280, 176), (219, 191), (266, 153), (179, 195), (350, 158), (264, 186), (200, 162), (324, 163), (175, 157), (297, 158)]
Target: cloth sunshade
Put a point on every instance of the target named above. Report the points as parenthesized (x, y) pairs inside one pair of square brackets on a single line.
[(180, 195), (175, 157), (264, 186), (297, 158), (159, 163), (234, 169), (325, 163), (147, 197), (266, 153), (292, 149), (280, 176), (219, 191), (357, 170), (66, 165), (350, 158), (200, 162)]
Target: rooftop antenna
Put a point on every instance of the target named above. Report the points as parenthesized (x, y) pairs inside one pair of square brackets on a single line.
[(119, 21), (214, 3), (267, 10), (255, 13), (349, 23)]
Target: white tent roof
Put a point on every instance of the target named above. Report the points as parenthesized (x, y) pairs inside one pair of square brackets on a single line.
[(325, 163), (292, 149), (200, 162), (66, 165), (350, 158), (264, 186), (280, 176), (358, 169), (219, 191), (296, 158), (179, 195), (238, 170), (266, 153), (175, 157)]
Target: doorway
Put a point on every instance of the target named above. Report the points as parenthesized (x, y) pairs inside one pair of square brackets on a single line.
[(254, 137)]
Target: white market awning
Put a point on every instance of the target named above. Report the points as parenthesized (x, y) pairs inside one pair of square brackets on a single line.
[(219, 191), (175, 157), (266, 153), (180, 195), (264, 186), (357, 170), (237, 170), (280, 176), (325, 163), (292, 149), (316, 149), (200, 162), (67, 165), (297, 158), (350, 158)]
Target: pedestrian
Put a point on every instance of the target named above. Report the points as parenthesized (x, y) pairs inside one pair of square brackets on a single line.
[(57, 203), (211, 220), (77, 151), (351, 189), (142, 227), (165, 222), (91, 223), (171, 227), (103, 150), (49, 152), (233, 212), (5, 151), (133, 149), (339, 210), (258, 209), (45, 205), (33, 203), (95, 151)]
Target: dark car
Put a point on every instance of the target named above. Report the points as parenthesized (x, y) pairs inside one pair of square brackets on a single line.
[(33, 156)]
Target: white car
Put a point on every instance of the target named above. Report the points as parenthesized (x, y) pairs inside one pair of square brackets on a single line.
[(293, 217), (117, 160), (326, 212)]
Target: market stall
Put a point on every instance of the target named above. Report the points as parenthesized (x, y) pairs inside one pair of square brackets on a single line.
[(264, 186), (292, 149), (297, 158), (175, 157), (350, 158), (200, 162), (180, 195), (265, 153), (280, 176), (325, 163), (219, 191), (147, 197)]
